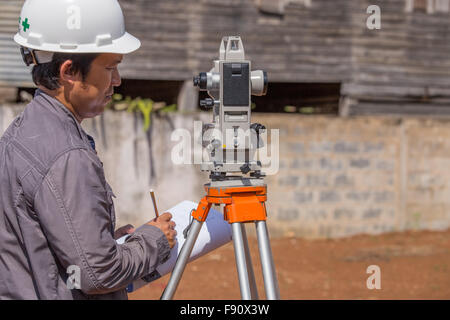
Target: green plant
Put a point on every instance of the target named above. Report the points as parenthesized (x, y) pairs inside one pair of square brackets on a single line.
[(306, 110), (302, 110), (144, 106), (290, 108)]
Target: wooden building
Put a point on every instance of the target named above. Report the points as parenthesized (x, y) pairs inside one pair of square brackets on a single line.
[(316, 52)]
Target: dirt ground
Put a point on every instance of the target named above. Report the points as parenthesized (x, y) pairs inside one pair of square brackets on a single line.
[(414, 265)]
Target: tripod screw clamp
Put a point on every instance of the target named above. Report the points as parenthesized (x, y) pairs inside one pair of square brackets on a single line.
[(257, 174), (217, 176), (245, 168)]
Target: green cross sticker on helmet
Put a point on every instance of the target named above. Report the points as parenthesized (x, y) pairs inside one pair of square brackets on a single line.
[(25, 25), (74, 26)]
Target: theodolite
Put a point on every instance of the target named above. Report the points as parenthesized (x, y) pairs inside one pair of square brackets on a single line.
[(231, 139), (236, 180)]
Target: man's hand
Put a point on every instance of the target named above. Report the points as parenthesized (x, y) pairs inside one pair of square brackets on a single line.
[(167, 226), (123, 231)]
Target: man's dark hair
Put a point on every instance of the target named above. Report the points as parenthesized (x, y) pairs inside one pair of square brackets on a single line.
[(47, 74)]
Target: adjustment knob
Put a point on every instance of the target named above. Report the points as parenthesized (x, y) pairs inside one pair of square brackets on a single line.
[(245, 168), (207, 103), (259, 128)]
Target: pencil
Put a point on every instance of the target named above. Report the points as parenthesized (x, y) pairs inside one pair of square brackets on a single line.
[(152, 193)]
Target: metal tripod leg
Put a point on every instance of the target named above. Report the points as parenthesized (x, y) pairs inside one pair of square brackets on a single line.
[(182, 260), (241, 261), (248, 259), (268, 268)]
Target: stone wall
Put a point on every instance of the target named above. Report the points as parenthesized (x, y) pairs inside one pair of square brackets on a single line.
[(337, 177)]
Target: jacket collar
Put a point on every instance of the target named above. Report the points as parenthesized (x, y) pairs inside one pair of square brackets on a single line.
[(63, 112)]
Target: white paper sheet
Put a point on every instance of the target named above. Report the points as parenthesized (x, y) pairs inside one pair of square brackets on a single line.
[(214, 233)]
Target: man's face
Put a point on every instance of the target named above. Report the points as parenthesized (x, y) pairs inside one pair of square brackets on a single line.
[(90, 97)]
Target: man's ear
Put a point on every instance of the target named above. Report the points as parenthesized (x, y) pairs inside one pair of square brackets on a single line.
[(65, 72)]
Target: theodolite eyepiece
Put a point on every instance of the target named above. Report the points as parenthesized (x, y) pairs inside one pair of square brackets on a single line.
[(201, 81)]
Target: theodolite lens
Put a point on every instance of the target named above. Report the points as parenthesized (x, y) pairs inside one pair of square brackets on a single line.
[(201, 81)]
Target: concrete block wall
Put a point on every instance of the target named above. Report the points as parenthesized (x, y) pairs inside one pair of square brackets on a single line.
[(338, 176)]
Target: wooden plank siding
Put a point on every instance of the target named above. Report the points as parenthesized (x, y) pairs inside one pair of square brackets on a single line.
[(403, 67), (182, 38), (13, 71)]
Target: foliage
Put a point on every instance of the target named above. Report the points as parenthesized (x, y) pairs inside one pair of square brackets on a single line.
[(145, 106), (303, 110)]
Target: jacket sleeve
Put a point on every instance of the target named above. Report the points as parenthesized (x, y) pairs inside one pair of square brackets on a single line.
[(74, 209)]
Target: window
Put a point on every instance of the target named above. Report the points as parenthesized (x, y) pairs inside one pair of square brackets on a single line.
[(299, 98), (428, 6), (277, 6)]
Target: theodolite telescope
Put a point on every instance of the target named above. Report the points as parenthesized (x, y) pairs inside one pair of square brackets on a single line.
[(231, 140)]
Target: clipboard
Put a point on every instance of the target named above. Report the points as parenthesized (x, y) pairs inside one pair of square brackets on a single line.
[(215, 233)]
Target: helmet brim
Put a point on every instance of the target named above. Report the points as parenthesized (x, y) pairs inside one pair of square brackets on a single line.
[(123, 45)]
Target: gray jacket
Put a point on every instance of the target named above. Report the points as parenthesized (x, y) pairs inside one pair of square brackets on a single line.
[(57, 214)]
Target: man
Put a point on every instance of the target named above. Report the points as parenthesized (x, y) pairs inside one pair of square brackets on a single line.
[(57, 215)]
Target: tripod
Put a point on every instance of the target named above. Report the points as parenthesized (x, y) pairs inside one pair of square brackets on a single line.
[(244, 200)]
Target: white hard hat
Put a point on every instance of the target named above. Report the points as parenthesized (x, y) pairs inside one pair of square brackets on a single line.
[(74, 26)]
